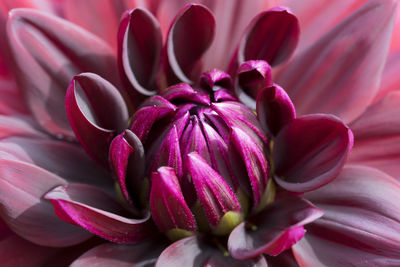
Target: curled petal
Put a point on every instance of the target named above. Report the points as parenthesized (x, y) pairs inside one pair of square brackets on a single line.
[(140, 45), (197, 252), (361, 222), (351, 55), (48, 52), (190, 35), (253, 76), (128, 163), (275, 229), (168, 207), (271, 36), (94, 125), (98, 213), (274, 109), (216, 79), (310, 152), (183, 91)]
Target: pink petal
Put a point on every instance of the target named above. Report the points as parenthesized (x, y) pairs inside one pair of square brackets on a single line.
[(278, 227), (94, 125), (390, 79), (18, 126), (48, 52), (377, 136), (310, 151), (23, 208), (140, 45), (272, 36), (274, 109), (340, 73), (197, 252), (98, 213), (168, 207), (190, 35), (144, 253), (361, 222), (127, 161), (11, 102), (286, 259)]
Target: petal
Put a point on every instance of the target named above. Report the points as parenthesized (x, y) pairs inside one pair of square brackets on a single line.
[(361, 222), (93, 125), (127, 160), (274, 109), (18, 126), (310, 151), (286, 259), (390, 78), (253, 75), (275, 229), (351, 55), (215, 80), (144, 253), (48, 52), (168, 207), (272, 36), (98, 213), (190, 35), (12, 102), (185, 92), (197, 252), (23, 208), (140, 45), (377, 136)]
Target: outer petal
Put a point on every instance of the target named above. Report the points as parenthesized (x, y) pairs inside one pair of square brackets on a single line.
[(93, 124), (11, 102), (97, 212), (140, 45), (274, 109), (190, 35), (144, 253), (377, 136), (48, 52), (361, 222), (197, 252), (19, 126), (277, 228), (23, 208), (390, 78), (310, 151), (351, 55), (271, 36)]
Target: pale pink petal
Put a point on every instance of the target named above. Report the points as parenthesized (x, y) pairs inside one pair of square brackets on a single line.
[(390, 77)]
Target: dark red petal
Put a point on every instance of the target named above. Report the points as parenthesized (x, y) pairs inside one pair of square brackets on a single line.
[(197, 252), (310, 152), (127, 160), (361, 222), (144, 253), (48, 52), (190, 35), (93, 124), (271, 36), (168, 207), (274, 109), (140, 45), (98, 213), (276, 228)]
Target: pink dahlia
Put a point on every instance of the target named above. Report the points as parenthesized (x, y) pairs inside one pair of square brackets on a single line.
[(164, 133)]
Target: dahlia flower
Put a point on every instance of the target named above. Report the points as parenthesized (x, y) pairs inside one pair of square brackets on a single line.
[(169, 133)]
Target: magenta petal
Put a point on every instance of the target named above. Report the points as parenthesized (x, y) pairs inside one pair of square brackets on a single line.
[(377, 136), (197, 252), (23, 208), (351, 55), (144, 253), (276, 228), (48, 52), (94, 125), (286, 259), (274, 109), (184, 91), (216, 79), (361, 222), (168, 207), (214, 194), (98, 213), (253, 76), (310, 151), (127, 160), (190, 35), (140, 45), (271, 36)]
